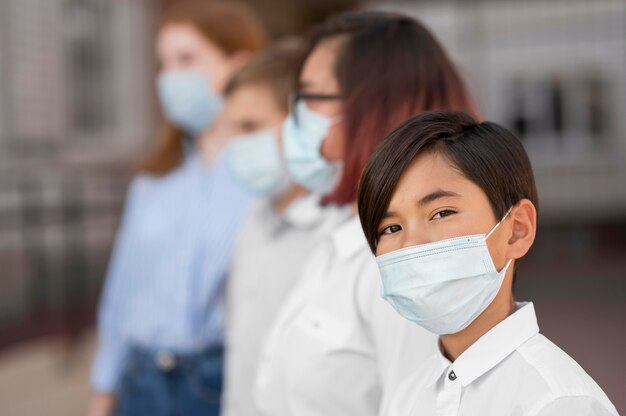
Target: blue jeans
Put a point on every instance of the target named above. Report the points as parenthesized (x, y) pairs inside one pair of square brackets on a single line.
[(164, 384)]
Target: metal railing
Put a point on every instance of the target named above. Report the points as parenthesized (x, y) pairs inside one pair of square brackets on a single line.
[(55, 238)]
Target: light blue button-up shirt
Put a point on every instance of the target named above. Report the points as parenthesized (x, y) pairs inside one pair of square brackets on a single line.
[(164, 285)]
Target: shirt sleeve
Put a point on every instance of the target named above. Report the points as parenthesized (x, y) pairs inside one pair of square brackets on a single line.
[(110, 357), (401, 346), (576, 406)]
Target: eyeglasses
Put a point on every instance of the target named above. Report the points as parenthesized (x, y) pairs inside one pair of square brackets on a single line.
[(303, 96)]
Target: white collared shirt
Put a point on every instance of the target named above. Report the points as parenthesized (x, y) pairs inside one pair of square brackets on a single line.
[(268, 259), (337, 348), (511, 370)]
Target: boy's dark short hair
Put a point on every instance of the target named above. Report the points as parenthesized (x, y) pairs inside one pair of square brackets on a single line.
[(485, 153)]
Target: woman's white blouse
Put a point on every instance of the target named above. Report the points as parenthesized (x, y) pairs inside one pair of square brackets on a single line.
[(336, 347)]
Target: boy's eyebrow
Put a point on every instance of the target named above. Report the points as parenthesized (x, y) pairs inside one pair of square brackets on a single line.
[(433, 196), (388, 214)]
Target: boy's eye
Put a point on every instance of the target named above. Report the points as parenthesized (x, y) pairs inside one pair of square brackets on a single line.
[(443, 213), (391, 229)]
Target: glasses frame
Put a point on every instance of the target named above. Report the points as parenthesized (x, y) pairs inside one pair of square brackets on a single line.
[(298, 96)]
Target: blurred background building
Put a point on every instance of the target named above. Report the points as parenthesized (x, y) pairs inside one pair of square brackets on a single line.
[(74, 110), (77, 108)]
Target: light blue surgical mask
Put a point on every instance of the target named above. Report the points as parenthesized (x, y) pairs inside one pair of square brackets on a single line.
[(442, 286), (188, 101), (256, 162), (302, 142)]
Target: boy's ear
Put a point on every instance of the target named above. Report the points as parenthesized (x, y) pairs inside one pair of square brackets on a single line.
[(523, 218)]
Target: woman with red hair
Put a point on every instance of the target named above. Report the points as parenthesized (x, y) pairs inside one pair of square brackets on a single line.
[(337, 348)]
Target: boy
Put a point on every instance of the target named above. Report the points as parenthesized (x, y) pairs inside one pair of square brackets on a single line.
[(448, 205)]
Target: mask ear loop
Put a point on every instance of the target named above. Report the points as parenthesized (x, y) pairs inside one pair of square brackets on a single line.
[(495, 227), (508, 263)]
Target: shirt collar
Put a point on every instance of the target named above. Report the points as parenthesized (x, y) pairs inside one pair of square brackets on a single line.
[(304, 212), (349, 238), (492, 348)]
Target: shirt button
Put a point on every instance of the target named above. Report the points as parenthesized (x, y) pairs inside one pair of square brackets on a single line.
[(452, 376)]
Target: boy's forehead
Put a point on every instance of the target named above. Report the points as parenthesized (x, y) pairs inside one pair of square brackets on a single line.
[(252, 90), (429, 172), (426, 170), (251, 99)]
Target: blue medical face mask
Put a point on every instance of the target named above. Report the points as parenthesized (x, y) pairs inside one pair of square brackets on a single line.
[(442, 286), (303, 135), (256, 162), (188, 101)]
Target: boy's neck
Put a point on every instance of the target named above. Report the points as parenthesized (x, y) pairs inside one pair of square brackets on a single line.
[(502, 306)]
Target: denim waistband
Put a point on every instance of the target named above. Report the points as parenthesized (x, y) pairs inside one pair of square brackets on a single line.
[(167, 360)]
